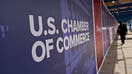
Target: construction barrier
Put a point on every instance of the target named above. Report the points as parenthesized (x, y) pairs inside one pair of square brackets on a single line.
[(54, 36)]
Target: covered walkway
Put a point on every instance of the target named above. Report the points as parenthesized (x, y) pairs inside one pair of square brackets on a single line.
[(119, 58)]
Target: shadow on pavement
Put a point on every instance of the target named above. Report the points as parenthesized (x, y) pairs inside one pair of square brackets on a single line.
[(108, 66), (118, 59)]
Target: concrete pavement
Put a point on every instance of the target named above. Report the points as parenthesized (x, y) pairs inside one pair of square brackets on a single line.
[(119, 58)]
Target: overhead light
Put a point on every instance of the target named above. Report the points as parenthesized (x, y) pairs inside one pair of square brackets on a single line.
[(113, 2)]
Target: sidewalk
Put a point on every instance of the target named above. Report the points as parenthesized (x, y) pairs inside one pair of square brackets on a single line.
[(119, 58)]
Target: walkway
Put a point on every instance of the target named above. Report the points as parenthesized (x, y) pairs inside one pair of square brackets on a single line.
[(119, 58)]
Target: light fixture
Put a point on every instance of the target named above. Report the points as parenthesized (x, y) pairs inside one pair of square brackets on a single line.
[(113, 2)]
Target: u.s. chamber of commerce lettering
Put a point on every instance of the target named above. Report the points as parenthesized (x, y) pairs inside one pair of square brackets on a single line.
[(76, 33)]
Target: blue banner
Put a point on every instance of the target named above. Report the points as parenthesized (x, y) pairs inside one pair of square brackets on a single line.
[(106, 35), (47, 37), (80, 59)]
